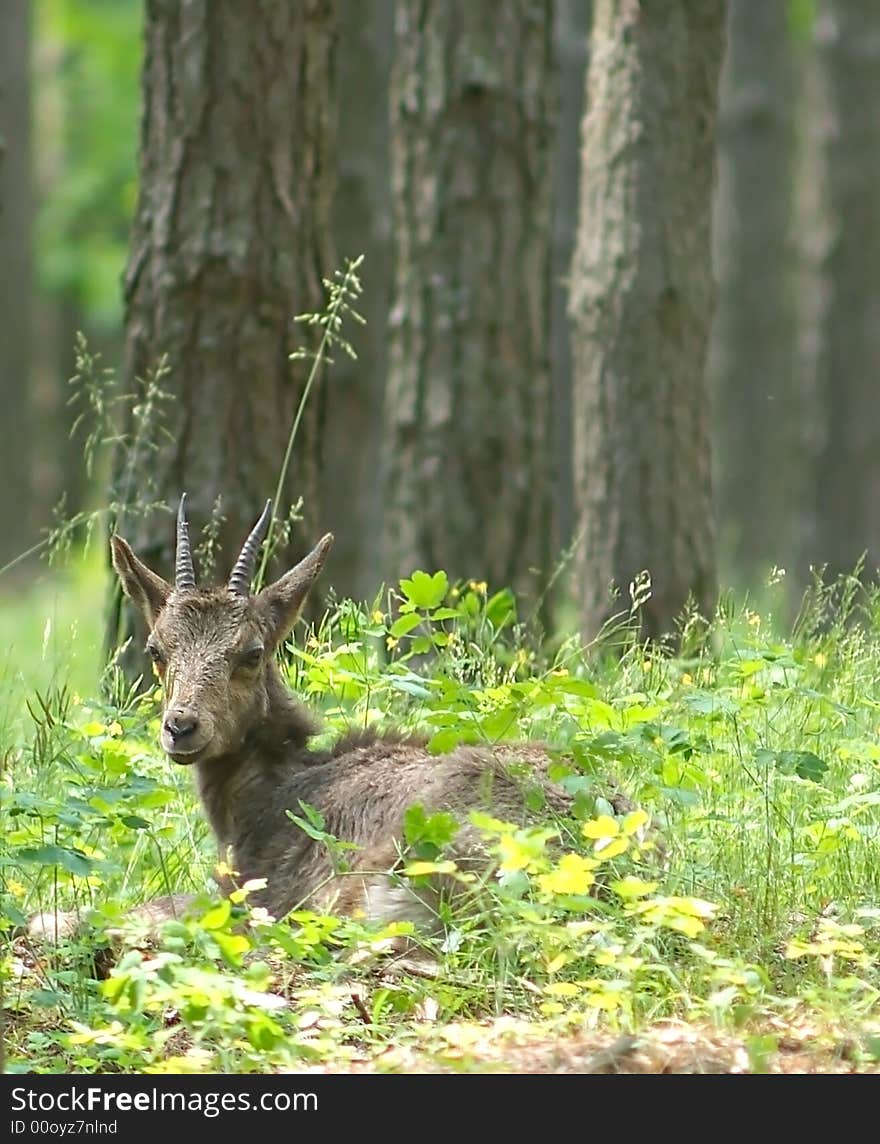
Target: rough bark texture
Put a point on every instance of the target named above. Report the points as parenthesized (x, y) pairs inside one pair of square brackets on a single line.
[(15, 291), (361, 225), (844, 288), (641, 301), (229, 242), (467, 423), (758, 456), (572, 38)]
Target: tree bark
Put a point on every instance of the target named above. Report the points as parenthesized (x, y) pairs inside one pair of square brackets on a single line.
[(17, 530), (844, 287), (229, 243), (573, 19), (467, 415), (361, 225), (760, 474), (641, 302)]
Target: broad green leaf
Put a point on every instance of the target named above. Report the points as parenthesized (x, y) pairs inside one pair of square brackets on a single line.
[(634, 821), (217, 916), (562, 989), (405, 624), (609, 848), (602, 827), (424, 591), (73, 860), (631, 887), (573, 875)]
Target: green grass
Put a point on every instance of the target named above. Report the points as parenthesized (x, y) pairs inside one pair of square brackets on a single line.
[(753, 895), (51, 633)]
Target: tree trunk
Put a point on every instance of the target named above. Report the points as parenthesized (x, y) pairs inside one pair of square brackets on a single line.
[(844, 250), (229, 243), (17, 531), (361, 225), (759, 466), (572, 38), (641, 307), (467, 415)]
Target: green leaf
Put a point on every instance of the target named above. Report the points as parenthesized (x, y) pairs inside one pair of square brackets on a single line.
[(804, 764), (405, 624), (424, 591), (446, 614), (569, 685), (134, 822), (411, 687), (217, 916), (436, 829), (72, 860), (501, 608), (449, 738)]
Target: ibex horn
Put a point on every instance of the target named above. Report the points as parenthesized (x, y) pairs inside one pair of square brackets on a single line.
[(184, 573), (241, 575)]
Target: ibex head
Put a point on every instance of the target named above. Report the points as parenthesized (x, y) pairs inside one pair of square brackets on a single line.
[(213, 647)]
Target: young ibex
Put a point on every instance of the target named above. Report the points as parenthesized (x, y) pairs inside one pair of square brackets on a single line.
[(228, 713)]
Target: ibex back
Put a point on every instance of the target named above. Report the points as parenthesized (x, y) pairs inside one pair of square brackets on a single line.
[(228, 713)]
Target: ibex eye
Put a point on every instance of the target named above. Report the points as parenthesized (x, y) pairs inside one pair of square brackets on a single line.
[(156, 654), (251, 658)]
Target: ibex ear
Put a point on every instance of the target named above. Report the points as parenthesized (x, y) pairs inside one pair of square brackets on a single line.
[(142, 586), (282, 602)]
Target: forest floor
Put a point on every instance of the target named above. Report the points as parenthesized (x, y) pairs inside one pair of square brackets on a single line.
[(728, 923), (670, 1047)]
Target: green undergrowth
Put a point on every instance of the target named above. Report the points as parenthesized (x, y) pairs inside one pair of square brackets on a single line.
[(738, 884)]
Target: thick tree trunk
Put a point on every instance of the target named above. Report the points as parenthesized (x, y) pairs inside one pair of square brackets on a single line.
[(467, 415), (16, 528), (760, 472), (229, 242), (361, 225), (641, 306), (844, 288)]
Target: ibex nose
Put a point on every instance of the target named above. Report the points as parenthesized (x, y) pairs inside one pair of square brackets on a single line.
[(180, 724)]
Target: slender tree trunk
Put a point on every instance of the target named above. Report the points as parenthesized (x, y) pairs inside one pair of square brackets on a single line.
[(641, 306), (361, 225), (759, 466), (16, 528), (229, 243), (572, 38), (844, 287), (467, 419)]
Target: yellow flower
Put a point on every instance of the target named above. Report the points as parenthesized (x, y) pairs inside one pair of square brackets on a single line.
[(821, 659), (378, 617)]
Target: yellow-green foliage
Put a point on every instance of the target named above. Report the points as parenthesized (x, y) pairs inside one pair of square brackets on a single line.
[(740, 879)]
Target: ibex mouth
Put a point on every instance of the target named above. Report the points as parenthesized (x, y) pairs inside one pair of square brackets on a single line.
[(184, 756), (184, 760)]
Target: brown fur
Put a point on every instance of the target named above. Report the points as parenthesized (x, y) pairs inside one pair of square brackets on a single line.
[(228, 713)]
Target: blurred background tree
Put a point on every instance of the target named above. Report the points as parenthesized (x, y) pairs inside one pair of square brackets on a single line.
[(641, 310), (759, 455), (468, 415), (794, 344), (16, 294), (231, 237)]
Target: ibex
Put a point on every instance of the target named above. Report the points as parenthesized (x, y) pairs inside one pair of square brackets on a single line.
[(228, 713)]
